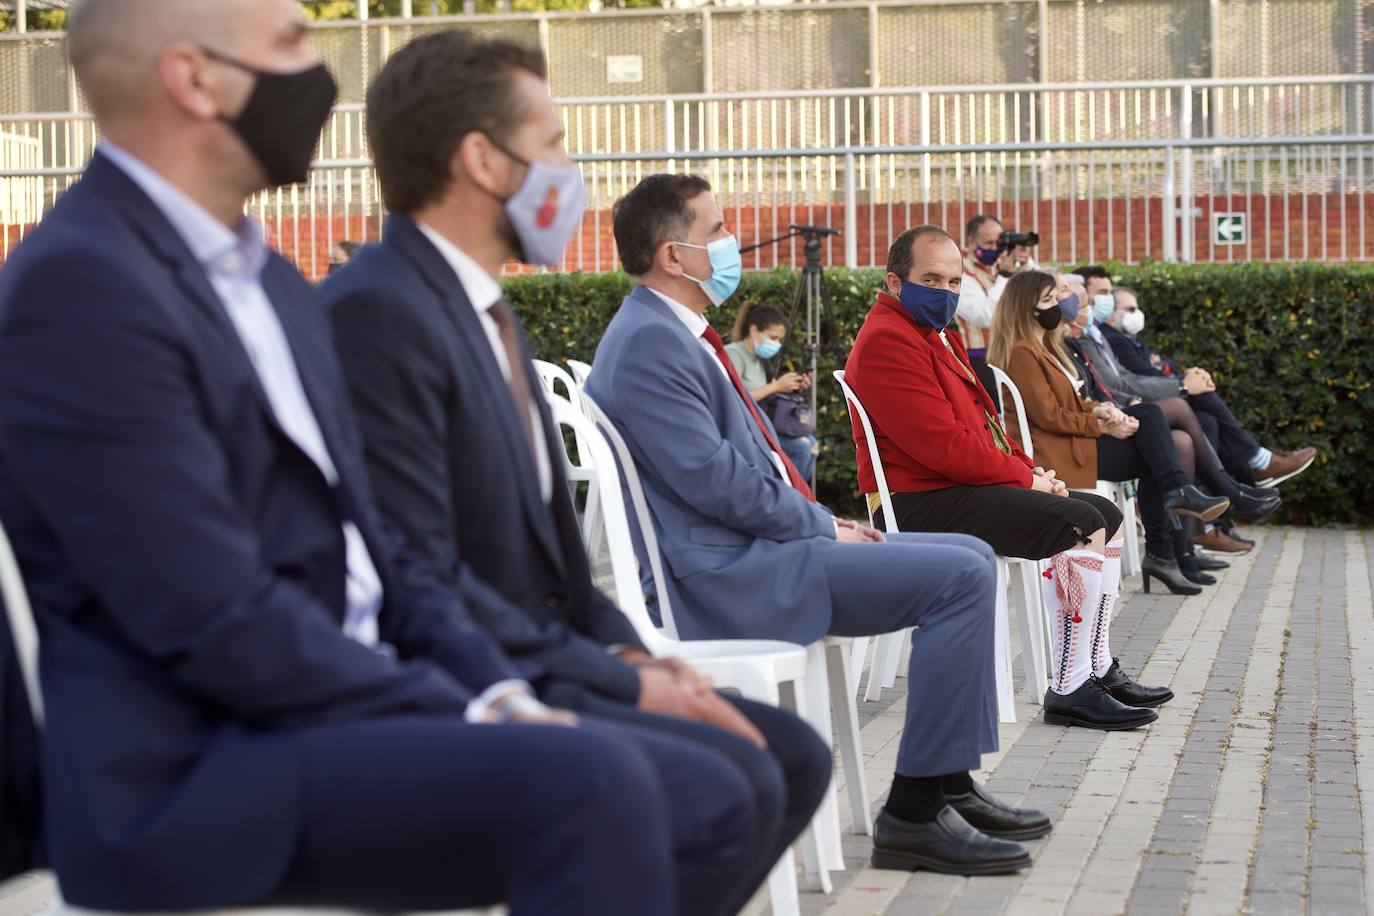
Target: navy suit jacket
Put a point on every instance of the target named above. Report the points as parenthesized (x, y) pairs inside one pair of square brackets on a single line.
[(186, 561), (452, 470), (1133, 355), (744, 548)]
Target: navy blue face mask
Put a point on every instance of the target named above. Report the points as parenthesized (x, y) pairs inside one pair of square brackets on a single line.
[(931, 307)]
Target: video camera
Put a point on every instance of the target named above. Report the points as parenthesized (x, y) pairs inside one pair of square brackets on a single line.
[(1009, 240)]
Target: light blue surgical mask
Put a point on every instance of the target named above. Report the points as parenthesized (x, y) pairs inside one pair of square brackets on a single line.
[(726, 267), (1104, 304), (768, 349)]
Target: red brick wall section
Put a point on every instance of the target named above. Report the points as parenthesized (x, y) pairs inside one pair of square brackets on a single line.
[(1331, 226)]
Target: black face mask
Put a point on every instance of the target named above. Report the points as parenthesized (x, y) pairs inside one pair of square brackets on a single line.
[(283, 117), (1049, 318)]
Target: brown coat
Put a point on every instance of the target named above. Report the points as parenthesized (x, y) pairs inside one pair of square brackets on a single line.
[(1063, 428)]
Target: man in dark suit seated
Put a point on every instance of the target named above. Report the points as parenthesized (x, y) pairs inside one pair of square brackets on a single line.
[(463, 453), (251, 697), (751, 554)]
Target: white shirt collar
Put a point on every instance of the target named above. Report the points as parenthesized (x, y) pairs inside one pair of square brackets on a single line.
[(695, 323), (214, 245), (481, 287)]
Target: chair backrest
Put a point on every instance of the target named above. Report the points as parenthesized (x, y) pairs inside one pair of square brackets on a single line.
[(644, 518), (856, 409), (551, 376), (580, 370), (596, 463), (22, 628), (1005, 384)]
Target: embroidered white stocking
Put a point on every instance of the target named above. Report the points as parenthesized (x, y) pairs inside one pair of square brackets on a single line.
[(1106, 606), (1072, 588)]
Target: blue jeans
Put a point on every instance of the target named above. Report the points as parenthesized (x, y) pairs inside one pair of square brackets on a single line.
[(802, 451)]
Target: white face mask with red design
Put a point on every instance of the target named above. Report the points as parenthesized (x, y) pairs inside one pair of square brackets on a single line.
[(546, 209)]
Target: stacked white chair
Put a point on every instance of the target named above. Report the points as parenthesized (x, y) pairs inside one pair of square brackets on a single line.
[(769, 671), (580, 370), (1026, 598)]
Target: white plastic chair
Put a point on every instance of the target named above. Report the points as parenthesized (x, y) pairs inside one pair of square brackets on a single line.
[(1119, 493), (1026, 596), (25, 635), (553, 378), (580, 371), (769, 671)]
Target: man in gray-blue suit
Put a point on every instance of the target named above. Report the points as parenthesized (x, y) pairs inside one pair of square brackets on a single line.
[(751, 554)]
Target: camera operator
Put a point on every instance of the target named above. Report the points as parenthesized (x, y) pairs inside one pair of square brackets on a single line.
[(991, 257)]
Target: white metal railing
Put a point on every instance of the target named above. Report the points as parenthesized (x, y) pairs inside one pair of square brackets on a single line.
[(1298, 197)]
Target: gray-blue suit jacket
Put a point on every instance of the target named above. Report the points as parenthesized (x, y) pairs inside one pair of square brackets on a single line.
[(743, 548)]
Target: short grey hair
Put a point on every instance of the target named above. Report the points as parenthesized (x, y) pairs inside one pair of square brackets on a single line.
[(1073, 278)]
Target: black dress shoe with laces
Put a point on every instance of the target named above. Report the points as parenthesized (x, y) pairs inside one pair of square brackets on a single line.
[(947, 845), (1119, 685), (988, 815), (1093, 706)]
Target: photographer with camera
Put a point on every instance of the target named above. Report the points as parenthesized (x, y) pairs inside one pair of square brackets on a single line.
[(757, 340), (992, 256)]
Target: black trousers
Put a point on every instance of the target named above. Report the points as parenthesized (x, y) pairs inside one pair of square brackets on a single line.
[(1149, 456), (788, 779), (1233, 443), (1015, 521)]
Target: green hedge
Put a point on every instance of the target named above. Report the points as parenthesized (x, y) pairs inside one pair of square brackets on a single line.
[(1290, 346)]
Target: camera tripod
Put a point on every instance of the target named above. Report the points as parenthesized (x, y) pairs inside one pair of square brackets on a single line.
[(809, 297)]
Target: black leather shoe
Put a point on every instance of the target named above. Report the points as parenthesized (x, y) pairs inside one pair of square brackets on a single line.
[(947, 845), (1189, 500), (1187, 564), (1168, 574), (1093, 706), (1131, 693), (1228, 527), (988, 815), (1248, 509), (1257, 492), (1208, 563)]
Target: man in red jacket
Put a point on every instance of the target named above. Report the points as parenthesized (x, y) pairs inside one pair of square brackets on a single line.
[(953, 469)]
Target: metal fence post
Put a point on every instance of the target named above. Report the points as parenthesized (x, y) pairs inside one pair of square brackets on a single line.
[(670, 131), (851, 212), (1187, 223), (1169, 217)]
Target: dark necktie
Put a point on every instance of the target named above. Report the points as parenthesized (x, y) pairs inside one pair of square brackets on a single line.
[(1097, 378), (519, 381), (793, 475)]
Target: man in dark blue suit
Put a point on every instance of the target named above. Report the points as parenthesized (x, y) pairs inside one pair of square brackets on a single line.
[(250, 697), (463, 453)]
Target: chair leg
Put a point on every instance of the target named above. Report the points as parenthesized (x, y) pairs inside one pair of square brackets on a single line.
[(858, 660), (1029, 615), (851, 745), (1130, 555), (884, 647), (891, 665), (782, 880), (1006, 699), (821, 840)]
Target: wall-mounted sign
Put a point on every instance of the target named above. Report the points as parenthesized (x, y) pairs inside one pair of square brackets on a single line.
[(624, 68)]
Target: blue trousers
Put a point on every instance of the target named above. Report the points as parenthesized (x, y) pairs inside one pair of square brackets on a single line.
[(430, 813), (945, 585), (802, 452)]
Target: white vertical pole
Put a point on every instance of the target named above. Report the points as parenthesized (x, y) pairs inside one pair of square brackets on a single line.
[(851, 213), (1187, 223), (407, 9), (21, 15), (1169, 217)]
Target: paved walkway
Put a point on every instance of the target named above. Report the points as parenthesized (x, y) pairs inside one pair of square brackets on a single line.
[(1243, 798)]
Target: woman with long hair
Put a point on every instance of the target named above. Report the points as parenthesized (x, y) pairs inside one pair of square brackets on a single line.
[(756, 342), (1085, 441)]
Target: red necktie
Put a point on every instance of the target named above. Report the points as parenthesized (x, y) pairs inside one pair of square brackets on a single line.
[(793, 474), (1097, 378)]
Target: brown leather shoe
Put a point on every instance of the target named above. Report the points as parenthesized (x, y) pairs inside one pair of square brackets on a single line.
[(1219, 540), (1284, 466)]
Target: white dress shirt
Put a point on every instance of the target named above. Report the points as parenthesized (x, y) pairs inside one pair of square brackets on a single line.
[(483, 292), (233, 262)]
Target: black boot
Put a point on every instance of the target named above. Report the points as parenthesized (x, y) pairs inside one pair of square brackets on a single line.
[(1131, 693), (1189, 500), (1257, 492), (1187, 564), (1168, 574), (987, 814), (1248, 509), (1208, 563), (1092, 706), (947, 845)]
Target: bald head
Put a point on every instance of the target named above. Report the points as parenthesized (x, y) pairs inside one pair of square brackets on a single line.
[(118, 47)]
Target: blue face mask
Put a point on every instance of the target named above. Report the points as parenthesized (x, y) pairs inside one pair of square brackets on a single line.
[(931, 307), (768, 349), (1104, 304), (1070, 307), (726, 267)]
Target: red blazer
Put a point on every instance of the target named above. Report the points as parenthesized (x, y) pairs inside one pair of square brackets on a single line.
[(928, 416)]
